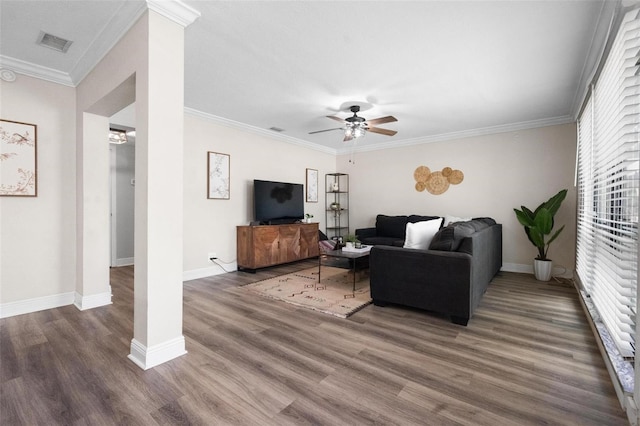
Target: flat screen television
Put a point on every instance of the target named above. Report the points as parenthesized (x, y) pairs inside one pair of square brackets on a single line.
[(277, 202)]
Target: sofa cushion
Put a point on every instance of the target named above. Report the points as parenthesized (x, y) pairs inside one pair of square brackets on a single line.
[(391, 226), (450, 237), (383, 241), (420, 234), (486, 220), (417, 218), (453, 219)]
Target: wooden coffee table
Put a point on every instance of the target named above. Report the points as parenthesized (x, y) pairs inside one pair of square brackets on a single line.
[(353, 257)]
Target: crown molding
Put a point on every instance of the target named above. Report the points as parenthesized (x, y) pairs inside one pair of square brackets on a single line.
[(119, 24), (175, 10), (258, 131), (32, 70), (513, 127)]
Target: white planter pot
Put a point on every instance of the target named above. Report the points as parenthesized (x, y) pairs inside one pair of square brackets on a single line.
[(349, 244), (542, 269)]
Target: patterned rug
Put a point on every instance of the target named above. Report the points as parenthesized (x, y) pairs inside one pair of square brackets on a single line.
[(302, 289)]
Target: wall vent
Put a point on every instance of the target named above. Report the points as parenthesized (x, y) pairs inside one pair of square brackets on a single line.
[(53, 42)]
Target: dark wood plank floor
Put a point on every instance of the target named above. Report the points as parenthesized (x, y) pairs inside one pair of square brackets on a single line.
[(527, 357)]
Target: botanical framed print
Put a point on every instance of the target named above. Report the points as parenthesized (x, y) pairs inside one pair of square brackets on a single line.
[(18, 159), (218, 184), (312, 186)]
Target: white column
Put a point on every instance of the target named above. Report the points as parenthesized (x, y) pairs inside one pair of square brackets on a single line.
[(159, 204), (92, 209)]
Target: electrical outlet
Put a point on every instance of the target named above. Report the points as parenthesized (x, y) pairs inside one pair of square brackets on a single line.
[(212, 255)]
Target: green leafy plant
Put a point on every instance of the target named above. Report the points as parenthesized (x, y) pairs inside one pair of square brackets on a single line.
[(308, 215), (538, 224), (351, 238)]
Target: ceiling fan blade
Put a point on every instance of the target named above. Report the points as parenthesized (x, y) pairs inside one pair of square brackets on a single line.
[(382, 120), (326, 130), (333, 117), (381, 131)]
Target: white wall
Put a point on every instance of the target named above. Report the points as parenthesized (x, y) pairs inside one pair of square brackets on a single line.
[(501, 171), (210, 225), (37, 254)]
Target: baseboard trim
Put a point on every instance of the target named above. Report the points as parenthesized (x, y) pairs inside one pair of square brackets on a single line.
[(92, 301), (558, 271), (147, 358), (195, 274), (36, 304), (125, 261)]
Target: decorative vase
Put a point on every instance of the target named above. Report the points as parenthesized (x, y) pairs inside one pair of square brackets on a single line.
[(335, 187), (349, 244), (542, 269)]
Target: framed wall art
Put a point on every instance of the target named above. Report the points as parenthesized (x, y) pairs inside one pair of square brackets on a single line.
[(312, 186), (18, 159), (218, 184)]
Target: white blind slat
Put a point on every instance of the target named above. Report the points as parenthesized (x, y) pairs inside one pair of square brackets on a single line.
[(608, 188)]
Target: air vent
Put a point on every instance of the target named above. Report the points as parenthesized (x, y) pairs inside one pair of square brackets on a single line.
[(53, 42), (276, 129)]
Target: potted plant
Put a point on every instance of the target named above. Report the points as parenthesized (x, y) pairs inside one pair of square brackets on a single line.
[(538, 224), (351, 240), (307, 217)]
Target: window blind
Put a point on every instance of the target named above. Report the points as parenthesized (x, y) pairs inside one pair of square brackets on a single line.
[(608, 187)]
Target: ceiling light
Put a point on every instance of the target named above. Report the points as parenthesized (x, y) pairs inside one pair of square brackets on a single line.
[(7, 75), (117, 137), (53, 42), (355, 130)]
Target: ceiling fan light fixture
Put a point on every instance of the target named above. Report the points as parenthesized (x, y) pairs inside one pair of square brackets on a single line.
[(348, 132), (354, 130), (117, 137)]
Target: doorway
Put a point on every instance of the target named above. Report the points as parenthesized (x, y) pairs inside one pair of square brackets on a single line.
[(122, 187)]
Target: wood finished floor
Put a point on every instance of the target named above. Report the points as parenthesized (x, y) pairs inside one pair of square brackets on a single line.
[(527, 358)]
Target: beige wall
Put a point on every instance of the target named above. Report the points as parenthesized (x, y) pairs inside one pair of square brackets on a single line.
[(501, 171), (37, 254), (210, 225)]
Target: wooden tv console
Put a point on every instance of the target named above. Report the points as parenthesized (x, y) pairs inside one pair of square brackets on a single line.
[(268, 245)]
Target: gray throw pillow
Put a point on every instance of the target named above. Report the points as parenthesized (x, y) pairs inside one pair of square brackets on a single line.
[(450, 237)]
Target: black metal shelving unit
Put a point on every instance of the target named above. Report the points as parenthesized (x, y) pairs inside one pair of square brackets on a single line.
[(337, 205)]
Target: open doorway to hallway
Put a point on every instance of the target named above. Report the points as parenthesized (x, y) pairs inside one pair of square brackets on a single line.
[(122, 187)]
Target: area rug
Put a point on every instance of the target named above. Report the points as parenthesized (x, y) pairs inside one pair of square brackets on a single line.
[(302, 289)]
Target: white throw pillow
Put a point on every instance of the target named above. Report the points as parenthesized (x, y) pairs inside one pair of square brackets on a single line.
[(453, 219), (420, 234)]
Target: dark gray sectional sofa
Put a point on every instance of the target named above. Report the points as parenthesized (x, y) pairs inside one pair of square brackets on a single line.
[(449, 278), (389, 230)]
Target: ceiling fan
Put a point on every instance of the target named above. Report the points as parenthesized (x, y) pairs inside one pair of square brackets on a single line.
[(355, 126)]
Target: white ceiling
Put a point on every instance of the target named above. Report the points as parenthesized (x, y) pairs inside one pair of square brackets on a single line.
[(442, 68)]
